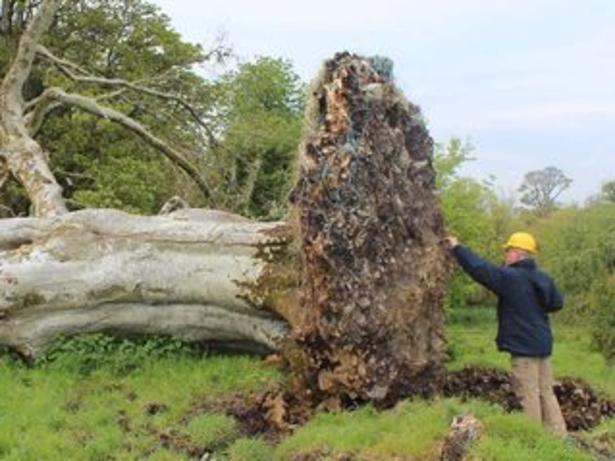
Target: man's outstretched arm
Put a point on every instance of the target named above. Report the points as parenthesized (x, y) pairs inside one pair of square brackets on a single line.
[(483, 272)]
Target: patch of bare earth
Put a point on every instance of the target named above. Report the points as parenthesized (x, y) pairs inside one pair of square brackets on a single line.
[(583, 408)]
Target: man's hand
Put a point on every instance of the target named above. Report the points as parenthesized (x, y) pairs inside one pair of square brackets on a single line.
[(450, 242)]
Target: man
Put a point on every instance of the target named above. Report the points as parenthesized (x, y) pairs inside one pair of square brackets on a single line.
[(525, 296)]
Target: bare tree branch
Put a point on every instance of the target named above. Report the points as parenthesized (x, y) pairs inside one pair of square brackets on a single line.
[(68, 69), (91, 106), (38, 109), (4, 170), (43, 106), (62, 64)]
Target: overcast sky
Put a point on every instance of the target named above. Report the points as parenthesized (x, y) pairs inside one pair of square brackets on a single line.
[(531, 83)]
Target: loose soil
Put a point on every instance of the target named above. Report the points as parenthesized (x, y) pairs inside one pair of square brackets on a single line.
[(582, 407), (276, 413)]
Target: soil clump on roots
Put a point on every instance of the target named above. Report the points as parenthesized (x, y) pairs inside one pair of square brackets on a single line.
[(370, 323)]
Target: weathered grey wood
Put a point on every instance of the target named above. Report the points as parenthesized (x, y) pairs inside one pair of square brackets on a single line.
[(465, 431), (33, 332), (23, 156), (197, 274)]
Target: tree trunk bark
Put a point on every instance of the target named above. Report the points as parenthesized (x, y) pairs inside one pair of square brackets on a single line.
[(7, 15), (27, 161), (196, 274), (24, 157)]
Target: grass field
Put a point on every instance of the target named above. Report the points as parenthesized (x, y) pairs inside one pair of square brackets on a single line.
[(125, 403), (471, 338)]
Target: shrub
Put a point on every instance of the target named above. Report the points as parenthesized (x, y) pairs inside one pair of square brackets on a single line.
[(87, 353), (602, 302), (578, 249)]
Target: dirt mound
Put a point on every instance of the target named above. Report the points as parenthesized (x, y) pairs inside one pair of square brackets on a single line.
[(487, 384), (275, 413), (270, 414), (582, 407)]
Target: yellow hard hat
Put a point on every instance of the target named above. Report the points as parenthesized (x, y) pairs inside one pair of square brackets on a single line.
[(522, 241)]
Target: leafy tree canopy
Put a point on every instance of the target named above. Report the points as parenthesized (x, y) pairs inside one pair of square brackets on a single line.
[(240, 130), (541, 188), (608, 191)]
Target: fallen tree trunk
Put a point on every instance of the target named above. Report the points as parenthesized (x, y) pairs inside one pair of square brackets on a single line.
[(358, 276), (196, 274)]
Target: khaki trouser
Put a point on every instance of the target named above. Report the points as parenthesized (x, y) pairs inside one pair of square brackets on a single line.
[(533, 384)]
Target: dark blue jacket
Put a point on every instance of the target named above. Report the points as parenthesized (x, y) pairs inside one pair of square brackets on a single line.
[(525, 296)]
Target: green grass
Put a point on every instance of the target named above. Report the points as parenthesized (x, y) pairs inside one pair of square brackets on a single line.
[(413, 429), (98, 399), (409, 430), (211, 431), (52, 413), (249, 450)]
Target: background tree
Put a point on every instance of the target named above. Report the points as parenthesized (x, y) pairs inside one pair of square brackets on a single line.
[(135, 73), (608, 191), (239, 131), (541, 188), (260, 107), (100, 164), (473, 211), (578, 249)]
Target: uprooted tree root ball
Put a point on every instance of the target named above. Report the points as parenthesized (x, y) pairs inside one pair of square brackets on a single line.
[(374, 272)]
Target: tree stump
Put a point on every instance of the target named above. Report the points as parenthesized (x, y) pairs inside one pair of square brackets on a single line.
[(465, 430)]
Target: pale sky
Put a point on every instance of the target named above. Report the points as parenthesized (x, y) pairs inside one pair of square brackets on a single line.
[(531, 83)]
